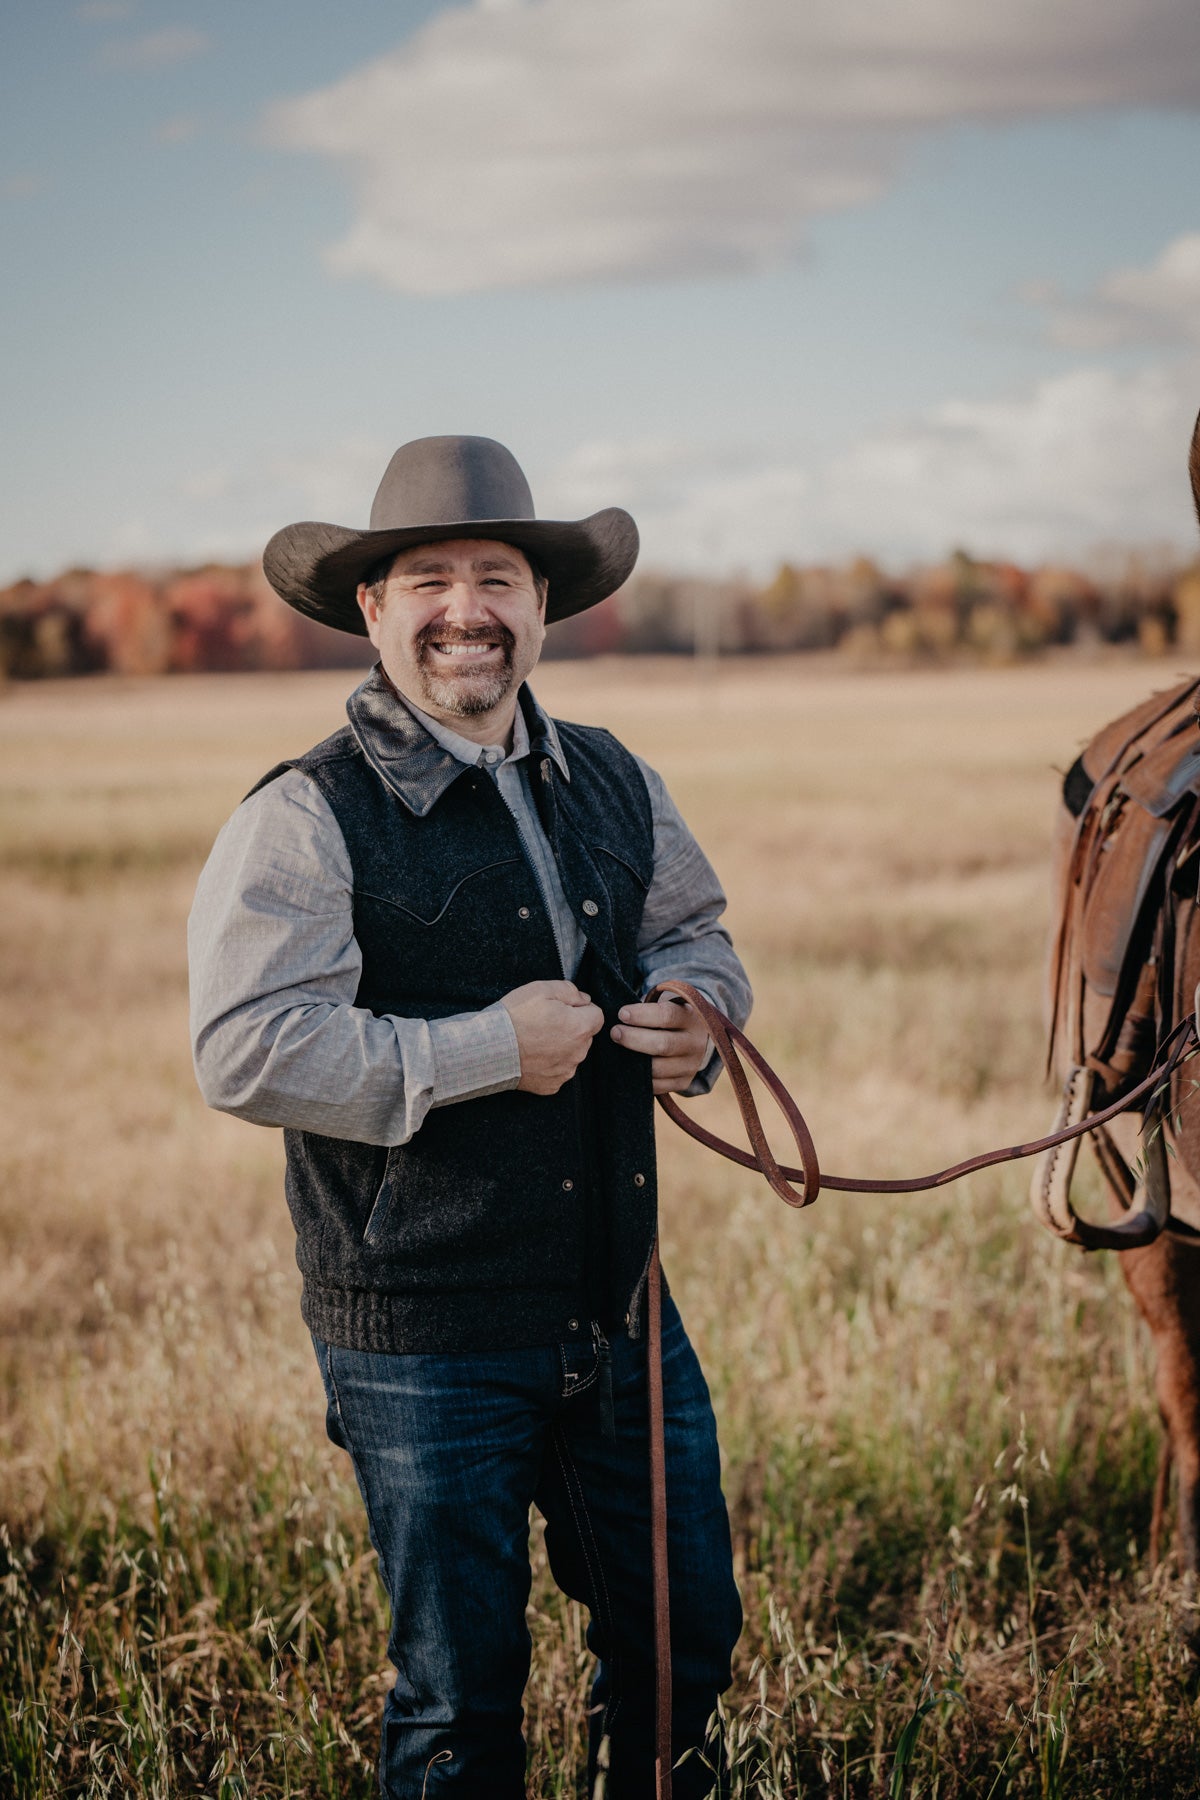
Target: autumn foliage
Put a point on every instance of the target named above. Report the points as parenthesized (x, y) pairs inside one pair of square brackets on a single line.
[(226, 619)]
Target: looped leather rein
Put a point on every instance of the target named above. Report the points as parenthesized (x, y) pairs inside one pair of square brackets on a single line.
[(732, 1045)]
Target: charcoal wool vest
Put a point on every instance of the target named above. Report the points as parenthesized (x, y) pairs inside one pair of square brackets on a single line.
[(509, 1219)]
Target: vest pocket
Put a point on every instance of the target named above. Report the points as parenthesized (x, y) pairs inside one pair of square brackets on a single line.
[(381, 1206)]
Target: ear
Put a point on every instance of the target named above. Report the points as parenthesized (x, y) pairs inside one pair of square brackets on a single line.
[(370, 609)]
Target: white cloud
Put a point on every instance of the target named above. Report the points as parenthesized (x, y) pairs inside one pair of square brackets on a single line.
[(696, 507), (230, 509), (1157, 304), (1083, 459), (1080, 458), (335, 483), (529, 141), (1087, 459), (160, 49)]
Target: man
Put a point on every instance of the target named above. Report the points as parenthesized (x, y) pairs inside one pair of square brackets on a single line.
[(422, 949)]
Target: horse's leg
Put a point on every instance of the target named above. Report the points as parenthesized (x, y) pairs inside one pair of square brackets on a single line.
[(1164, 1280), (1162, 1489)]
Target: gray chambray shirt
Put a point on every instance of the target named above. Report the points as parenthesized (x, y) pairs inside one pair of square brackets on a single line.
[(275, 967)]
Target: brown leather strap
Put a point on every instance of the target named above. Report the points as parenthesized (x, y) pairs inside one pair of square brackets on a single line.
[(731, 1045), (658, 1534)]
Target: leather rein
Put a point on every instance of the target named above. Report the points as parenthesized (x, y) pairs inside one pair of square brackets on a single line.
[(732, 1045)]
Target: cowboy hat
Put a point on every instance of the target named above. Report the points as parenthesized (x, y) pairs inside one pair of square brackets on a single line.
[(450, 487)]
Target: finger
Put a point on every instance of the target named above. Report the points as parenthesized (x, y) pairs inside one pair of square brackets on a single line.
[(669, 1078), (659, 1015), (647, 1043), (592, 1020)]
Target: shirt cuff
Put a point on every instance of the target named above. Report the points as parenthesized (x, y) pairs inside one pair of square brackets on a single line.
[(474, 1054)]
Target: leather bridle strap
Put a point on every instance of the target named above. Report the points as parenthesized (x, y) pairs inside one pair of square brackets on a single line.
[(658, 1533), (732, 1046)]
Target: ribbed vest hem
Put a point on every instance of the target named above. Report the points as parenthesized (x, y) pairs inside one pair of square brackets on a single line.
[(414, 1324)]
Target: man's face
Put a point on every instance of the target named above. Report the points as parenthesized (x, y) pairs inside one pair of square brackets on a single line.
[(458, 628)]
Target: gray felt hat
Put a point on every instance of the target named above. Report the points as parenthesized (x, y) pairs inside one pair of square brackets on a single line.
[(450, 487)]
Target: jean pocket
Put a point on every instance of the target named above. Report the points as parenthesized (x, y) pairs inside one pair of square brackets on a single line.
[(381, 1206)]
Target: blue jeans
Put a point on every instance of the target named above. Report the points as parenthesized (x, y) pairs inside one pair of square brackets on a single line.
[(449, 1451)]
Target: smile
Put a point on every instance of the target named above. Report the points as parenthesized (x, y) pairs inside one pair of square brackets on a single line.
[(465, 650)]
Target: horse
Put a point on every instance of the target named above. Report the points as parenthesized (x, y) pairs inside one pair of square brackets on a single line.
[(1123, 970)]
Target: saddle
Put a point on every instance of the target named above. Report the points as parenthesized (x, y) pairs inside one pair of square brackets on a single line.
[(1126, 952)]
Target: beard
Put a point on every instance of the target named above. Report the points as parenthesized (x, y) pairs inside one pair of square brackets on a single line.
[(469, 691)]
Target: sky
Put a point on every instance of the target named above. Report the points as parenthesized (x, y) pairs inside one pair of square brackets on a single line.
[(789, 281)]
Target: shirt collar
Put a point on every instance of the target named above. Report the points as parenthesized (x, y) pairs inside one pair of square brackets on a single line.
[(417, 757), (466, 749)]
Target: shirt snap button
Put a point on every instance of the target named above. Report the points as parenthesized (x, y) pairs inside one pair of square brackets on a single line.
[(639, 1181), (568, 1184), (590, 908), (522, 912), (572, 1324)]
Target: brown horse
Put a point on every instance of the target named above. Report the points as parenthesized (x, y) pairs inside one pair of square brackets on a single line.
[(1124, 968)]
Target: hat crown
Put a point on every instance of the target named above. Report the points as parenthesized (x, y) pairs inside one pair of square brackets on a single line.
[(450, 481)]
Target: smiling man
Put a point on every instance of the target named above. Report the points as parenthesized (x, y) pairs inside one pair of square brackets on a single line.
[(422, 948)]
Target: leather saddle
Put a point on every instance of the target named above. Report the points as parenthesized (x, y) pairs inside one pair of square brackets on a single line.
[(1125, 953)]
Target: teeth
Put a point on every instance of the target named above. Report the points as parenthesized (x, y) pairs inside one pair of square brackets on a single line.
[(463, 649)]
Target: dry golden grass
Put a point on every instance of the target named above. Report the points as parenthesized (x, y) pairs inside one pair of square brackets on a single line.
[(903, 1386)]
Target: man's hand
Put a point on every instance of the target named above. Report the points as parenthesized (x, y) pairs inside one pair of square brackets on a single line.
[(672, 1034), (555, 1025)]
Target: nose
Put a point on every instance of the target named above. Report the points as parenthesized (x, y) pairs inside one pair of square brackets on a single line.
[(464, 604)]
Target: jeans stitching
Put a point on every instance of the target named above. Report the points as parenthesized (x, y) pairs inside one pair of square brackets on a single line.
[(582, 1383)]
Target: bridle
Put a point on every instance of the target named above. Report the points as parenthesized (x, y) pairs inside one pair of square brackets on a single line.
[(735, 1051)]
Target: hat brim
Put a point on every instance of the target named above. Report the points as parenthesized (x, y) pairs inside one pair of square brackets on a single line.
[(317, 568)]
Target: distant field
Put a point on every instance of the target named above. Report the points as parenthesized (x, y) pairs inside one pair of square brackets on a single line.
[(938, 1424)]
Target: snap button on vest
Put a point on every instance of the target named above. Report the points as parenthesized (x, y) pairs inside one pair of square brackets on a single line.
[(590, 908), (522, 912), (639, 1180), (568, 1185)]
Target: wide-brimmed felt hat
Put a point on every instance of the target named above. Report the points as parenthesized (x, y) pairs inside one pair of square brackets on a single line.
[(450, 487)]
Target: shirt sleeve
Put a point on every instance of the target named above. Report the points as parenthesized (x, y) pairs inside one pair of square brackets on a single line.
[(682, 935), (274, 969)]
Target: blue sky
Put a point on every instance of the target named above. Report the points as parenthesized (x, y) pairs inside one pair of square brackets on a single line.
[(785, 281)]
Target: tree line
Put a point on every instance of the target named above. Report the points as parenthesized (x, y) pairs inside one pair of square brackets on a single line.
[(223, 617)]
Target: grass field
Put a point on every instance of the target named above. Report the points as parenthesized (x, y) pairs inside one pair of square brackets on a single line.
[(938, 1424)]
